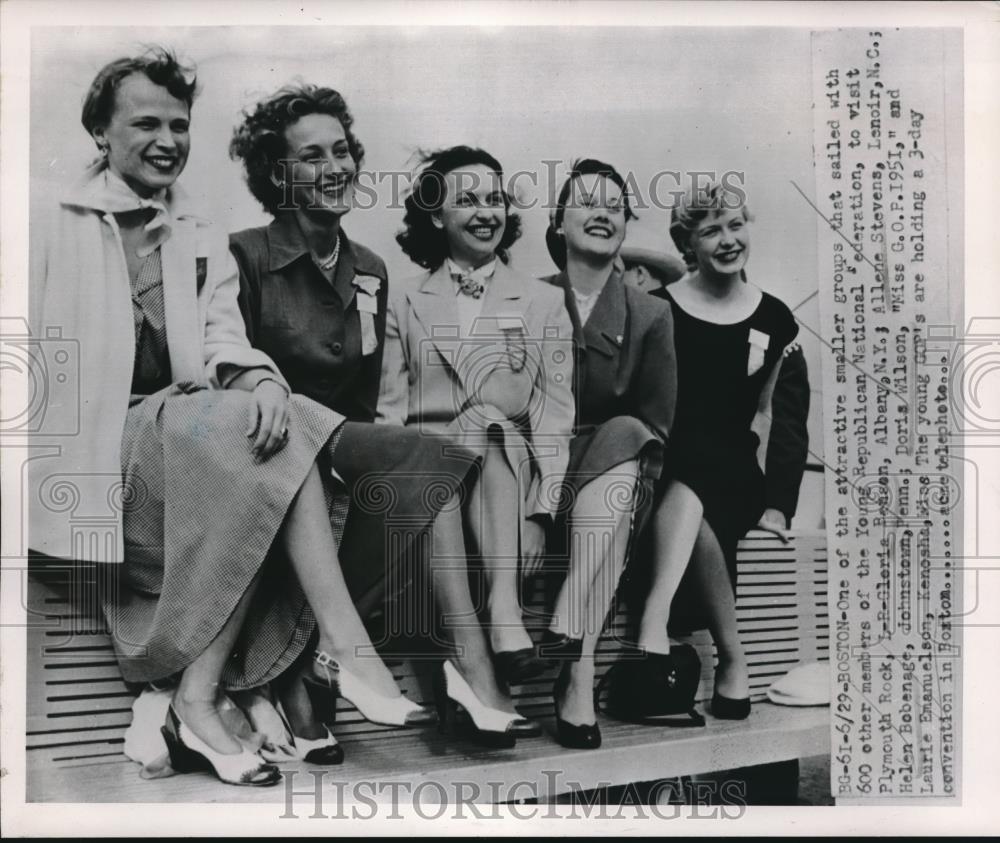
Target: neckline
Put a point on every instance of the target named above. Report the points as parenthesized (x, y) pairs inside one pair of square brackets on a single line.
[(690, 315)]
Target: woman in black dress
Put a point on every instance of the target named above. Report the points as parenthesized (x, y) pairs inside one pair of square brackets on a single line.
[(315, 302), (729, 339)]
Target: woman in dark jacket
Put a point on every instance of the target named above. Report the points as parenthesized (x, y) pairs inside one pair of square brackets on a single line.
[(624, 386)]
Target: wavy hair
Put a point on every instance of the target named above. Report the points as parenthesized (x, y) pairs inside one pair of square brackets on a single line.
[(259, 140), (424, 243), (698, 203)]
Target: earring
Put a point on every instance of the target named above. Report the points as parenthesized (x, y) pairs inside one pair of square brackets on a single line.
[(102, 149)]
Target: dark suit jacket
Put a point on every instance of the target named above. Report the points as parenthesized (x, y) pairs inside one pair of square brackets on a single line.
[(625, 364), (308, 326)]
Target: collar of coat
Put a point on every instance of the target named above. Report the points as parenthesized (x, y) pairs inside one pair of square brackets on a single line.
[(504, 284), (287, 244), (605, 329), (100, 190)]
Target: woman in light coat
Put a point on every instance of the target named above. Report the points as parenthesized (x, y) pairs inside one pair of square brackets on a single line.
[(479, 354), (192, 432)]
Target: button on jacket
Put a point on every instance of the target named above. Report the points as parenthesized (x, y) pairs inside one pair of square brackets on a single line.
[(311, 328)]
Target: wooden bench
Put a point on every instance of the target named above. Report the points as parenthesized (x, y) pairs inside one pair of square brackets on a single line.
[(78, 708)]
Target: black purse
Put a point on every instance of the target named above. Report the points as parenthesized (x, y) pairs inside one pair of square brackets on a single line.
[(653, 688)]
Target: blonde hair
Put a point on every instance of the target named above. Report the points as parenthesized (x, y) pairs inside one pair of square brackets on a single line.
[(700, 202)]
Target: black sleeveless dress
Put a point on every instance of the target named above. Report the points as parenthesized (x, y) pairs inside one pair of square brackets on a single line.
[(721, 371)]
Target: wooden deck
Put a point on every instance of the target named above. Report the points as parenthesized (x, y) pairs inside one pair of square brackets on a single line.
[(79, 707), (452, 770)]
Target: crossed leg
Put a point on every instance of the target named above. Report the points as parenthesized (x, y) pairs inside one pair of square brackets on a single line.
[(449, 577), (711, 580), (599, 534), (493, 517), (684, 542)]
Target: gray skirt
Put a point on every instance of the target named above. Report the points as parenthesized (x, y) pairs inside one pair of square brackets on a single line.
[(200, 516), (593, 452)]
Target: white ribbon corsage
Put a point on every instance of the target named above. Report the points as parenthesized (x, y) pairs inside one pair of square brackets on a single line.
[(367, 298), (759, 341)]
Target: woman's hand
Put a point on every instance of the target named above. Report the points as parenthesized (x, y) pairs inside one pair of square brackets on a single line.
[(268, 419), (532, 547)]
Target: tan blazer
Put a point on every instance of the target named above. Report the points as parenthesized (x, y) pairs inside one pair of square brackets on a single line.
[(516, 365)]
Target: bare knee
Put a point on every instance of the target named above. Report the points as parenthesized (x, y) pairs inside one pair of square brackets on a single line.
[(625, 427)]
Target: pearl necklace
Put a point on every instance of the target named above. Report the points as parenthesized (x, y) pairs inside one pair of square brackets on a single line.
[(331, 261)]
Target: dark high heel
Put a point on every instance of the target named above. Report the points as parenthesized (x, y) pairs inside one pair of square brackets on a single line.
[(373, 706), (518, 666), (489, 726), (558, 647), (569, 735), (727, 708), (189, 753), (323, 752)]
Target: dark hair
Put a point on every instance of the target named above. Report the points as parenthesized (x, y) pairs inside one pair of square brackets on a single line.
[(259, 141), (424, 243), (697, 203), (555, 242), (159, 65)]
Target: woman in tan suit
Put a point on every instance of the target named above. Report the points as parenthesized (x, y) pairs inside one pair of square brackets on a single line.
[(483, 354)]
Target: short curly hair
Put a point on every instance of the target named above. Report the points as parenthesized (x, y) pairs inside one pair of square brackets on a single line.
[(423, 242), (259, 141), (556, 243), (696, 205), (160, 66)]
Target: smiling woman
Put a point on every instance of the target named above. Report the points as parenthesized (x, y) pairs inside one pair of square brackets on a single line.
[(477, 353), (729, 340), (625, 389), (141, 125)]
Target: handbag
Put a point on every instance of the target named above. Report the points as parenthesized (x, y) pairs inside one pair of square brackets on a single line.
[(654, 688)]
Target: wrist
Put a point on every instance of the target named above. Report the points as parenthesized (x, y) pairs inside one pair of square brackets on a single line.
[(274, 380)]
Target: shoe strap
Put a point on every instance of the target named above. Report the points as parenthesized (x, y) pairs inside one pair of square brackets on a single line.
[(329, 664), (322, 657)]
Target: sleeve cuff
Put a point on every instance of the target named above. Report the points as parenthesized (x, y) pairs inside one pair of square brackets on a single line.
[(228, 372)]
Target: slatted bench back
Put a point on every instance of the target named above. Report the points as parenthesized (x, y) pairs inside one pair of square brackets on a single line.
[(79, 707)]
